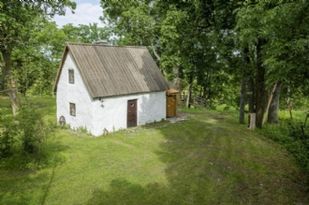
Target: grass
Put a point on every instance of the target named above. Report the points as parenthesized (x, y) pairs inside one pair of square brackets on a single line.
[(207, 159)]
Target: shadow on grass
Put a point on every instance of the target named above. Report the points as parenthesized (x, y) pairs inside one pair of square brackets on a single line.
[(21, 176), (208, 162), (124, 192), (14, 190), (48, 186), (49, 156)]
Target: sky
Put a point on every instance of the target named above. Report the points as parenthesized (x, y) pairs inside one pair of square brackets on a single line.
[(87, 11)]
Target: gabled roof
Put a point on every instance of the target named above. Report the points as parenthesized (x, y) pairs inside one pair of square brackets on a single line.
[(115, 70)]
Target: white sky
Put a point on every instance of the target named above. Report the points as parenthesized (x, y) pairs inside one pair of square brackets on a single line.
[(87, 11)]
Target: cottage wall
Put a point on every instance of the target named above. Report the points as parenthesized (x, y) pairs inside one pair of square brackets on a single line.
[(73, 93), (111, 114), (97, 115)]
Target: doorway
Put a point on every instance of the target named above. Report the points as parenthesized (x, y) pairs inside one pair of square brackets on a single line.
[(132, 113), (171, 106)]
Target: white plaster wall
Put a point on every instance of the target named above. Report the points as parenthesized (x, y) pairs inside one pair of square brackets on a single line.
[(73, 93), (113, 116)]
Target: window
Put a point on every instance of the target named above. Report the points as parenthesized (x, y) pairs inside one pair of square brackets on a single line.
[(71, 76), (72, 109)]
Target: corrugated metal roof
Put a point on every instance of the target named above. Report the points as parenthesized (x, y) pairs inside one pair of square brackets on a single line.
[(115, 70)]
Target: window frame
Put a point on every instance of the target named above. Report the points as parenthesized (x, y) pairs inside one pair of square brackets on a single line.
[(72, 109), (71, 76)]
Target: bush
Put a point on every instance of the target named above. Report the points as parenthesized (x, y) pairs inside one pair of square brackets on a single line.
[(8, 132), (294, 136), (299, 146), (32, 129), (26, 132)]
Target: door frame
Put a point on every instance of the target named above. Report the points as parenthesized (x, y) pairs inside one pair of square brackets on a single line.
[(128, 103), (174, 108)]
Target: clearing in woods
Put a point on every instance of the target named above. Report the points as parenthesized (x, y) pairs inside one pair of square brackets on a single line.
[(207, 159)]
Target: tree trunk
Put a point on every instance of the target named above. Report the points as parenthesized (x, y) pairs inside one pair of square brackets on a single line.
[(12, 92), (242, 101), (270, 99), (188, 103), (274, 104), (155, 53), (2, 77), (289, 103), (9, 81), (208, 90), (204, 96), (242, 97), (260, 84), (251, 97), (177, 79)]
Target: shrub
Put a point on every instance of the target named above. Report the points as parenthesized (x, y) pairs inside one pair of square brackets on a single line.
[(26, 132), (8, 133), (299, 146), (294, 136), (32, 129)]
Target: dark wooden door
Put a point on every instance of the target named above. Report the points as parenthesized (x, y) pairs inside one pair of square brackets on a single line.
[(132, 113), (171, 106)]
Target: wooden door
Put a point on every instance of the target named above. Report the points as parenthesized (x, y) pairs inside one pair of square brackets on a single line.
[(171, 106), (132, 113)]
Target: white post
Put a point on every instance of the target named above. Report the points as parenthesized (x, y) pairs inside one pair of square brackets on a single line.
[(252, 121)]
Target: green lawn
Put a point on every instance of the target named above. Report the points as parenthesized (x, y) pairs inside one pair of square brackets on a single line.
[(208, 159)]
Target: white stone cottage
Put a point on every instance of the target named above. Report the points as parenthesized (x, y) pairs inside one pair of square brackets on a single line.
[(106, 88)]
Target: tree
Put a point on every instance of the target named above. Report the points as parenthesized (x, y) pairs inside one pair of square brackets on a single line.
[(16, 22), (207, 45), (273, 108), (36, 64), (288, 31), (189, 39), (86, 33), (275, 30)]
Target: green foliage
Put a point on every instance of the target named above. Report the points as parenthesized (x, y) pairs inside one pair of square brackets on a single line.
[(32, 130), (84, 33), (18, 20), (35, 44), (8, 133), (25, 133), (192, 41), (294, 136), (131, 21), (284, 27), (36, 64), (299, 145), (203, 42)]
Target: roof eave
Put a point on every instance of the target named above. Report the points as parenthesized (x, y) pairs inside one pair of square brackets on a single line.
[(128, 94), (65, 51)]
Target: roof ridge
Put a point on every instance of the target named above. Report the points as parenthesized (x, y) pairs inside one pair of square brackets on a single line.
[(103, 45)]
